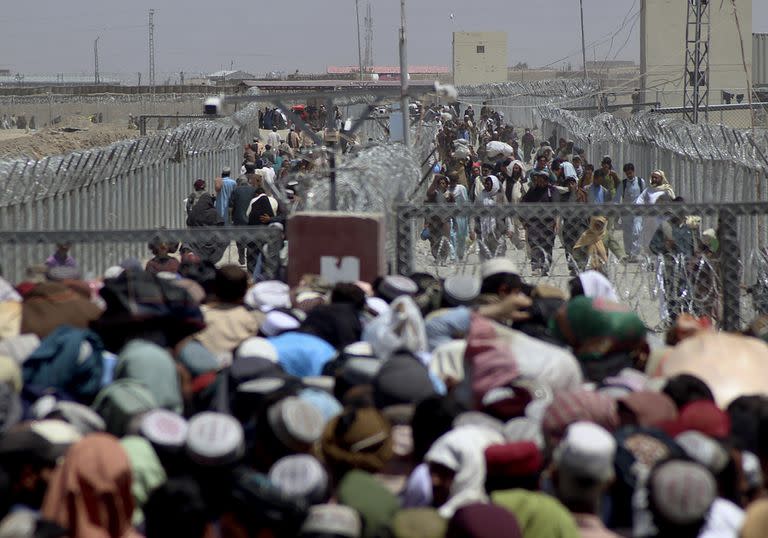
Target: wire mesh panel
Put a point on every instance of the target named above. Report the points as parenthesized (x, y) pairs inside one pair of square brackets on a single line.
[(663, 259), (97, 250)]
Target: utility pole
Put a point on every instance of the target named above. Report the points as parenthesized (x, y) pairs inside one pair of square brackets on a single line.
[(404, 77), (368, 58), (152, 48), (96, 61), (359, 44), (696, 79), (583, 40)]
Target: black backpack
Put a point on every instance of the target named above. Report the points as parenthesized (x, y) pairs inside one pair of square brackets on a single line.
[(640, 182), (192, 199)]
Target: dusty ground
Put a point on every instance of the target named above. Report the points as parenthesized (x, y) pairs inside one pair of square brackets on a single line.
[(55, 141), (9, 134)]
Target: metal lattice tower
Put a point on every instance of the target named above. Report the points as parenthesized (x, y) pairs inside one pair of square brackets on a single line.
[(152, 47), (368, 62), (96, 79), (696, 79)]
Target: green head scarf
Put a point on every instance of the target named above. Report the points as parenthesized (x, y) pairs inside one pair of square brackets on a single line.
[(146, 470), (597, 327), (539, 515), (376, 505)]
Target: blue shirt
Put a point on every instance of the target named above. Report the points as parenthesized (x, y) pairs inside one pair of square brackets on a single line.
[(278, 164), (440, 329), (302, 354), (222, 199), (596, 194)]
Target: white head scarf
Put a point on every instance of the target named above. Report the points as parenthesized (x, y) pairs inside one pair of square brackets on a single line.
[(400, 327), (463, 451), (511, 168), (418, 488), (489, 198), (569, 171), (596, 285)]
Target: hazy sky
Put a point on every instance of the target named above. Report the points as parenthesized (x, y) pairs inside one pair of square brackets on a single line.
[(50, 36)]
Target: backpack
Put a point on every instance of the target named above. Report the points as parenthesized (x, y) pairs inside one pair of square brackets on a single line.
[(640, 181), (191, 200)]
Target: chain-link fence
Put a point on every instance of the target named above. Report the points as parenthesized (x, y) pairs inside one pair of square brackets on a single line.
[(131, 184), (96, 250), (704, 163), (663, 259), (521, 102)]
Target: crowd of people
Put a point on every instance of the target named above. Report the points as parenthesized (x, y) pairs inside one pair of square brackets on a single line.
[(481, 163), (268, 189), (185, 399)]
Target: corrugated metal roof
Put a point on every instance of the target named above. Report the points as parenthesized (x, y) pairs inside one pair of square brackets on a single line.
[(389, 69), (229, 73)]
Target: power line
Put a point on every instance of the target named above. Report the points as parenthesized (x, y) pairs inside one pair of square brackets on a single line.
[(624, 23), (593, 44)]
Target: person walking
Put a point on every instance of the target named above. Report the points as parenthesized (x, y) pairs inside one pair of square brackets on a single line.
[(628, 192), (224, 187), (674, 243), (658, 191), (273, 138), (205, 215), (198, 188), (541, 231), (457, 194), (436, 229), (528, 144), (515, 186), (573, 226), (262, 263), (239, 203), (590, 251), (612, 179), (294, 140), (490, 230), (599, 193)]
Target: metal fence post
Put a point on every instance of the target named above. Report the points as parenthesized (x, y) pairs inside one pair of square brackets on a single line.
[(403, 241), (730, 269)]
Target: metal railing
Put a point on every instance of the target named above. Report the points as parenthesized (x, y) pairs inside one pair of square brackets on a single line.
[(717, 282), (97, 250)]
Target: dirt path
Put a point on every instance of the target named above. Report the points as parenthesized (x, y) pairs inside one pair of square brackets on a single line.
[(56, 141)]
